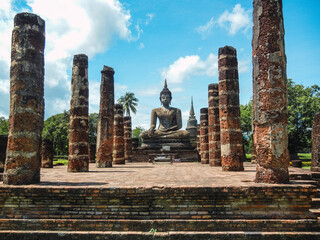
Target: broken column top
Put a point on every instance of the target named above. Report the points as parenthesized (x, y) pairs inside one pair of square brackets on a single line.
[(107, 69), (26, 18), (80, 58), (213, 86), (204, 110), (118, 108), (227, 50)]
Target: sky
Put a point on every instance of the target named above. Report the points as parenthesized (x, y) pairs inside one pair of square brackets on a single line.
[(147, 41)]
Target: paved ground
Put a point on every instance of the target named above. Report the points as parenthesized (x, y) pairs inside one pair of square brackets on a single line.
[(152, 175)]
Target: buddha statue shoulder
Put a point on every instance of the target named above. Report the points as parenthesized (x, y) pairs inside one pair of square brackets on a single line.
[(170, 121)]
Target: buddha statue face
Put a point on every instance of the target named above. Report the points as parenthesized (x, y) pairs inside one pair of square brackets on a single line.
[(165, 95), (165, 99)]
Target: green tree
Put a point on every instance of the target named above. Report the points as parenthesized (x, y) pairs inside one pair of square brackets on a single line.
[(136, 133), (246, 125), (303, 104), (93, 124), (129, 102), (4, 126), (56, 128)]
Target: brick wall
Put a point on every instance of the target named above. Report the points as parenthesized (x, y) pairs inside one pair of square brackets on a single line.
[(156, 203)]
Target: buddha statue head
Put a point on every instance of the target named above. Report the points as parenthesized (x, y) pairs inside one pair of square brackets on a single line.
[(165, 95)]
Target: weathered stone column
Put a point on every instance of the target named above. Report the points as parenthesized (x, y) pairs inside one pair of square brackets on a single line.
[(315, 161), (23, 160), (3, 151), (127, 138), (92, 153), (229, 111), (105, 121), (204, 144), (47, 153), (78, 127), (214, 125), (118, 135), (270, 112), (198, 139)]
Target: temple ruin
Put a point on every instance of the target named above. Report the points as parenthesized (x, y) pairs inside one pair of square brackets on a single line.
[(204, 144), (127, 127), (23, 158), (118, 135), (270, 113), (214, 125), (105, 121), (78, 126), (47, 153), (232, 155)]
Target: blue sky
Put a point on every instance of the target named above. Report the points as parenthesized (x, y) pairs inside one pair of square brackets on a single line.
[(146, 41)]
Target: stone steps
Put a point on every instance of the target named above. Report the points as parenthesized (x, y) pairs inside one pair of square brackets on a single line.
[(315, 203), (165, 225), (174, 235)]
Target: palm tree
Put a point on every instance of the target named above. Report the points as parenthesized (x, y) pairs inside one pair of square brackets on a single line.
[(129, 102)]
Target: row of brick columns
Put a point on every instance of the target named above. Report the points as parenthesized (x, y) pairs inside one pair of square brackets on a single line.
[(220, 134), (270, 115), (23, 150)]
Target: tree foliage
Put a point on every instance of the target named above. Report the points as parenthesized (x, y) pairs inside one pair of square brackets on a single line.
[(129, 102), (303, 104), (4, 127), (136, 133), (93, 125), (56, 128), (246, 125)]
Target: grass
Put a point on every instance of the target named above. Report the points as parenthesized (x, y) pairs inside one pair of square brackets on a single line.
[(304, 156), (63, 161)]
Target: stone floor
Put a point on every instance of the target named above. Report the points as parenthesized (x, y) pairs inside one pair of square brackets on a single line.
[(152, 175)]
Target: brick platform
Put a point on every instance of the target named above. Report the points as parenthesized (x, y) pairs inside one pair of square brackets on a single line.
[(126, 201)]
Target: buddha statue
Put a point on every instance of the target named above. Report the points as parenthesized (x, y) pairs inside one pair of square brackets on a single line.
[(170, 121)]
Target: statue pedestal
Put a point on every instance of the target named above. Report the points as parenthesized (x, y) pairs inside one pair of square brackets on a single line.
[(179, 149), (159, 143)]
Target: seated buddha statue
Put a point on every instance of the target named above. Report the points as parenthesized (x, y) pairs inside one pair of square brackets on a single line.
[(170, 121)]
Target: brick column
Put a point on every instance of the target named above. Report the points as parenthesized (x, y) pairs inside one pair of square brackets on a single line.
[(105, 121), (26, 100), (118, 135), (204, 144), (232, 156), (78, 126), (3, 151), (214, 125), (270, 114), (47, 153), (198, 138), (92, 153), (127, 138), (315, 161)]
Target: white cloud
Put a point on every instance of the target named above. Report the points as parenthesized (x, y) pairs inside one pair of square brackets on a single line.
[(188, 66), (150, 16), (141, 46), (206, 29), (152, 91), (177, 89), (236, 20), (72, 27)]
